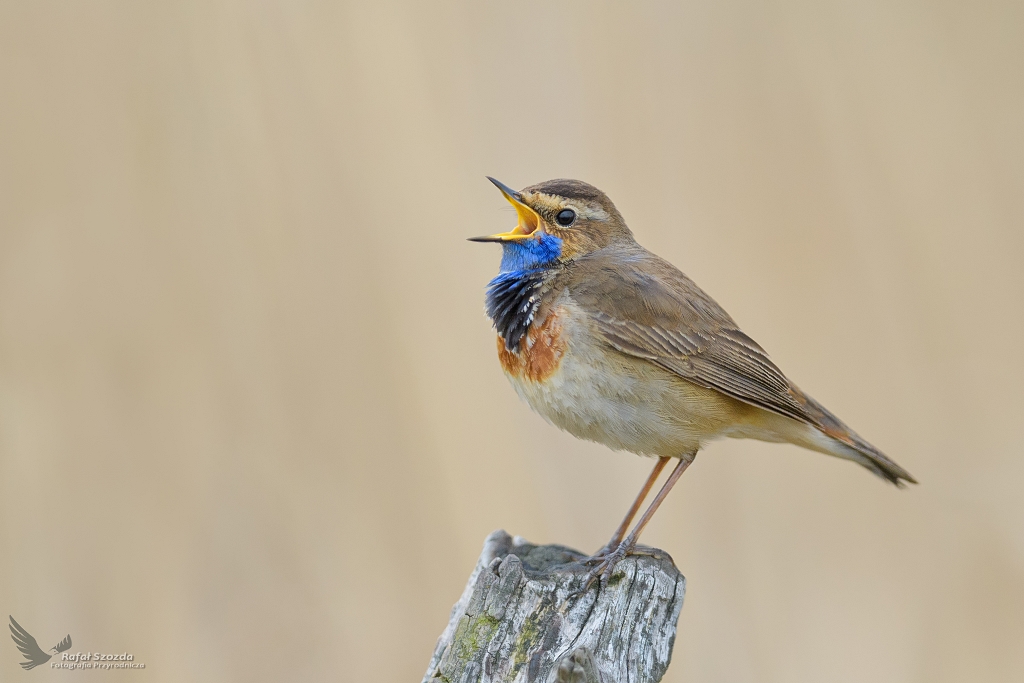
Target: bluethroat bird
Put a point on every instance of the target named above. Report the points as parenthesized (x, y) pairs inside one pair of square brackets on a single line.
[(615, 345)]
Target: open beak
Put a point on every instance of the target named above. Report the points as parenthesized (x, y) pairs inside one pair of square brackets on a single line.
[(529, 220)]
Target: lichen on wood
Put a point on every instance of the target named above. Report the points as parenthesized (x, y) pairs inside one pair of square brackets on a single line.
[(525, 615)]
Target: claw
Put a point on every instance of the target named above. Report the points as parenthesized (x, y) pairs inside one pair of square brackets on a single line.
[(606, 563)]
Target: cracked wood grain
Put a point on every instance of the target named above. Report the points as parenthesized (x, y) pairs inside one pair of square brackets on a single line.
[(524, 617)]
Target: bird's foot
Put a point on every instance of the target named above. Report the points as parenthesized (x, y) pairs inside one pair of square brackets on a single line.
[(601, 555), (606, 562)]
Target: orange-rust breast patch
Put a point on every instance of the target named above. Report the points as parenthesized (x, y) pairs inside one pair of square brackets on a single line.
[(540, 353)]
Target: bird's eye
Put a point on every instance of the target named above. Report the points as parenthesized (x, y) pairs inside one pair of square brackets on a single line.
[(566, 217)]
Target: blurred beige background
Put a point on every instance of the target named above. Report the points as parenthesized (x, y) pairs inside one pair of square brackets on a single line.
[(252, 426)]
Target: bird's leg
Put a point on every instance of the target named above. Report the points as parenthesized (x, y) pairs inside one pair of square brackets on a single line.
[(604, 570), (621, 531)]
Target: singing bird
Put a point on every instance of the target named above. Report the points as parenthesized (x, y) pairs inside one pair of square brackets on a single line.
[(614, 344)]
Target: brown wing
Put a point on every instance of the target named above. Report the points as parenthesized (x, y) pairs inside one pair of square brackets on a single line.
[(643, 306)]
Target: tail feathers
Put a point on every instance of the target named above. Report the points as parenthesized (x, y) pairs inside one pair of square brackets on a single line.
[(846, 443), (873, 459)]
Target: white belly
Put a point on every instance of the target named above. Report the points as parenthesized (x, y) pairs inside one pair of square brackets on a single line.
[(626, 403)]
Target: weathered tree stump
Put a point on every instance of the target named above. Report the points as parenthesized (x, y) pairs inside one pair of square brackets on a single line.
[(525, 616)]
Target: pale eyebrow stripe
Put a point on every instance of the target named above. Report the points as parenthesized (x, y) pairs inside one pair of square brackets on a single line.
[(582, 209), (588, 212)]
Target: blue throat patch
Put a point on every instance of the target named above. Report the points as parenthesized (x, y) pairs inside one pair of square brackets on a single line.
[(528, 254), (513, 297)]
